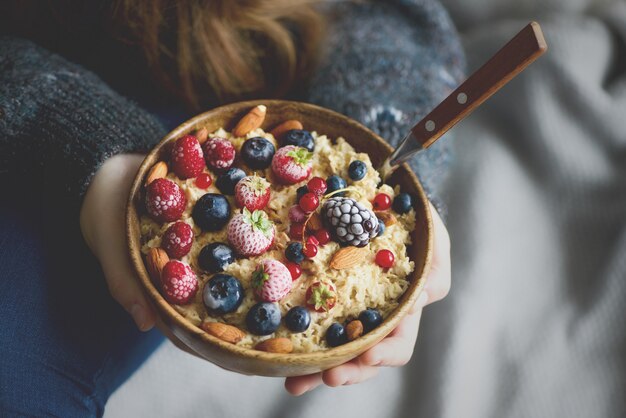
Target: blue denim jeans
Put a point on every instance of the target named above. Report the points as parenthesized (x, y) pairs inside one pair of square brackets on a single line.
[(66, 344)]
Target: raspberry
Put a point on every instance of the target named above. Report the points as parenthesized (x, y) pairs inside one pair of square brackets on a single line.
[(186, 157), (219, 153), (165, 201), (179, 282), (177, 240), (296, 214)]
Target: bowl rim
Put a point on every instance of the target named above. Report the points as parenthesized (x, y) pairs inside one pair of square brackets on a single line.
[(172, 315)]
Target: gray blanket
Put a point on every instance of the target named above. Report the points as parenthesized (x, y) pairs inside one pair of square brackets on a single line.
[(534, 325)]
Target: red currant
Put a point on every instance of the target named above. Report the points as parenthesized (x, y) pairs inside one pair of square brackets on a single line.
[(382, 201), (312, 240), (323, 236), (296, 231), (294, 269), (385, 258), (317, 185), (203, 181), (310, 250), (309, 202)]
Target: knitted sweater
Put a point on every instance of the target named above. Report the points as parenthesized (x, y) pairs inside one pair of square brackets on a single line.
[(386, 64)]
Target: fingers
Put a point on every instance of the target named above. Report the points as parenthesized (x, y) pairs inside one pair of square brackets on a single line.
[(298, 385), (352, 372), (439, 279)]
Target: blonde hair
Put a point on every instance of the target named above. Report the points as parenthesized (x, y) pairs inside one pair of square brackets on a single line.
[(207, 51)]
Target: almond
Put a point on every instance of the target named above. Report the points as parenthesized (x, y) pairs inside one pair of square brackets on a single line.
[(224, 332), (276, 345), (354, 329), (315, 222), (254, 119), (386, 218), (202, 135), (348, 257), (287, 125), (158, 171), (155, 260)]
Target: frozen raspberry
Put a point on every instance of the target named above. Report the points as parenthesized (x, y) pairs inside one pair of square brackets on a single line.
[(165, 201), (179, 282), (296, 214), (219, 153), (186, 157), (177, 240)]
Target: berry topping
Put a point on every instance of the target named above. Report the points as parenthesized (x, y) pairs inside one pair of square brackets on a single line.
[(165, 201), (296, 231), (263, 318), (226, 182), (311, 240), (252, 192), (370, 318), (321, 296), (381, 228), (349, 221), (296, 214), (299, 138), (251, 233), (317, 185), (301, 191), (298, 319), (310, 250), (382, 201), (271, 281), (335, 183), (357, 170), (292, 164), (211, 212), (215, 257), (323, 236), (385, 258), (257, 153), (294, 269), (309, 202), (179, 282), (203, 181), (222, 294), (402, 203), (219, 153), (186, 157), (336, 335), (293, 252), (177, 240)]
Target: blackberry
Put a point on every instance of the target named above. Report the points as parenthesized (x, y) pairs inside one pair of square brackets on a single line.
[(350, 222)]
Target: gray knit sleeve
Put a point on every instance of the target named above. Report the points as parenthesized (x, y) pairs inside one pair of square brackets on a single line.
[(387, 64), (59, 122)]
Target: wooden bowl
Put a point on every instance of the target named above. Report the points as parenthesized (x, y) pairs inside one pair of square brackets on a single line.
[(194, 340)]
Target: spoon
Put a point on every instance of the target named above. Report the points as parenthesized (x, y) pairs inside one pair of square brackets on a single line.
[(521, 51)]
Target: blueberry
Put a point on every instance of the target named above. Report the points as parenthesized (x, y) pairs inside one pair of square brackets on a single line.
[(370, 318), (226, 182), (381, 228), (336, 335), (298, 319), (402, 203), (357, 170), (215, 257), (222, 294), (293, 252), (335, 183), (299, 138), (301, 192), (211, 212), (263, 318), (257, 153)]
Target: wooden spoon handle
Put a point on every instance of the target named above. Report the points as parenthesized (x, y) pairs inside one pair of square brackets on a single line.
[(517, 54)]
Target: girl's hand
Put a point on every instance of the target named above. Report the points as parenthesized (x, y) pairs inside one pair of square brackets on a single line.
[(102, 221), (395, 349)]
